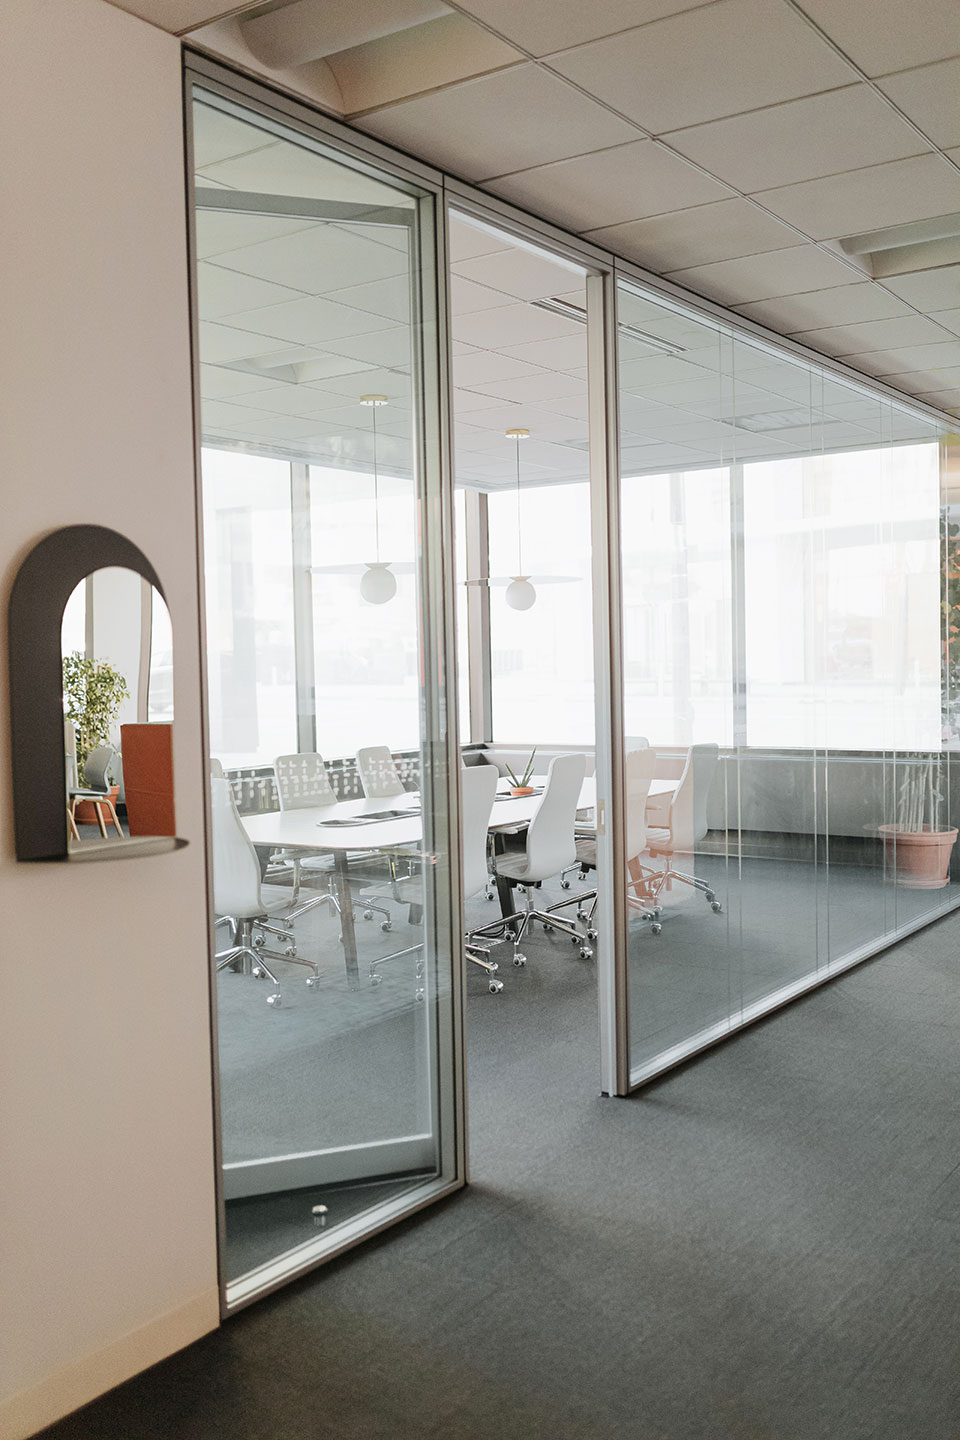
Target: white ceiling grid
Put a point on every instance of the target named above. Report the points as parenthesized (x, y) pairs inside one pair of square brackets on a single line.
[(729, 145)]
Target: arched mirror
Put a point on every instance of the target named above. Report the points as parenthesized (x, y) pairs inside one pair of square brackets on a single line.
[(91, 700), (117, 649)]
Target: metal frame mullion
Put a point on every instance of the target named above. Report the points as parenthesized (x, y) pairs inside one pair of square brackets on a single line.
[(738, 617), (612, 920)]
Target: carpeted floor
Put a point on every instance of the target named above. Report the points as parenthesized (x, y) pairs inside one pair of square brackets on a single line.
[(760, 1246)]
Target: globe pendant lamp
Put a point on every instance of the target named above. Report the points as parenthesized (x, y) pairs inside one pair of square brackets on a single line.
[(378, 584), (520, 594)]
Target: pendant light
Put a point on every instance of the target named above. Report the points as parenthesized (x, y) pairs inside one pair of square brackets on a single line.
[(520, 593), (378, 583)]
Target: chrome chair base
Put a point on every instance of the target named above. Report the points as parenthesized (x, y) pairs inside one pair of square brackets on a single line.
[(250, 950)]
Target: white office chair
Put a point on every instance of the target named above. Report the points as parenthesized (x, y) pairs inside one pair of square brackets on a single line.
[(303, 784), (478, 789), (686, 823), (550, 847), (378, 773), (237, 897), (639, 768)]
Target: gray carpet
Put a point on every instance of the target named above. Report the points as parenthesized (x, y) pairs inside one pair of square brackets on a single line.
[(761, 1246)]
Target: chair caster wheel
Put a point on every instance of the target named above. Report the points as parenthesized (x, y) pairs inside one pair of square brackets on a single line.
[(490, 897), (376, 980), (656, 928), (495, 987), (593, 935), (564, 884), (258, 942), (519, 960), (575, 940), (716, 907), (368, 914), (583, 875), (585, 952), (290, 952), (258, 973), (288, 924), (386, 925), (274, 1000), (709, 895), (312, 982)]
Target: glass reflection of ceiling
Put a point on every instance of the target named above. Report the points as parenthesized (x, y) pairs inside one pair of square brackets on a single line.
[(300, 316)]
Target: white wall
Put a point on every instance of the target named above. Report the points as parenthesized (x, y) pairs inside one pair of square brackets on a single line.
[(106, 1153)]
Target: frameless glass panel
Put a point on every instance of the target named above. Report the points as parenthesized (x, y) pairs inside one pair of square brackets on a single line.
[(677, 498), (329, 779), (824, 556)]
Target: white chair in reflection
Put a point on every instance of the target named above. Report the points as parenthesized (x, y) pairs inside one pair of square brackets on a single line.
[(478, 790), (95, 789), (639, 768), (550, 848), (380, 780), (379, 775), (685, 824), (238, 900), (586, 822)]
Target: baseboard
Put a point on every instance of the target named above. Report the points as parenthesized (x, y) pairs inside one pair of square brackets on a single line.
[(77, 1384)]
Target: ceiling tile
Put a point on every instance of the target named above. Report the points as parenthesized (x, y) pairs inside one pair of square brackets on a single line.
[(874, 335), (928, 289), (931, 97), (466, 296), (609, 186), (388, 298), (800, 140), (918, 381), (542, 26), (317, 260), (550, 385), (482, 365), (868, 199), (512, 120), (282, 168), (513, 325), (914, 357), (384, 347), (219, 344), (522, 274), (885, 35), (759, 277), (225, 292), (467, 240), (949, 319), (218, 136), (841, 305), (705, 63), (565, 352), (697, 236), (220, 383), (943, 399), (219, 231), (309, 320)]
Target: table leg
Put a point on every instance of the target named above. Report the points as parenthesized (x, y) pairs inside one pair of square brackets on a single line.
[(347, 928), (505, 892)]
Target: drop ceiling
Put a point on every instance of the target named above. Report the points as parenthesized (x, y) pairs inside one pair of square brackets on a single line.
[(731, 145)]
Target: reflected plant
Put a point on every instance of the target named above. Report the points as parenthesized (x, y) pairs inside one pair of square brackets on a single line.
[(920, 798), (93, 692), (950, 627)]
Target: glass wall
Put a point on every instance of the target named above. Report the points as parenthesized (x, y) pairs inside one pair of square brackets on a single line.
[(782, 551), (323, 537)]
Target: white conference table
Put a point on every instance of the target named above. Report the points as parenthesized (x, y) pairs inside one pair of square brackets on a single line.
[(393, 824)]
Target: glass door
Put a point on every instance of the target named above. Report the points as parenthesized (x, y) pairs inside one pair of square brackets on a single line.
[(335, 860)]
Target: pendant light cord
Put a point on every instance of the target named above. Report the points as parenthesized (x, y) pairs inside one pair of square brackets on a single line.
[(519, 528), (376, 487)]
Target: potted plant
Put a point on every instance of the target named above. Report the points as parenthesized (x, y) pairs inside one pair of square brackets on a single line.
[(93, 692), (918, 847), (522, 785)]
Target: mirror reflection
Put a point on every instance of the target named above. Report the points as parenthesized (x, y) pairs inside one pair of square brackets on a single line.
[(117, 648)]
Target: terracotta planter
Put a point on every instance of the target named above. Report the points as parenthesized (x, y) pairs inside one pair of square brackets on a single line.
[(918, 858), (86, 814), (521, 790)]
